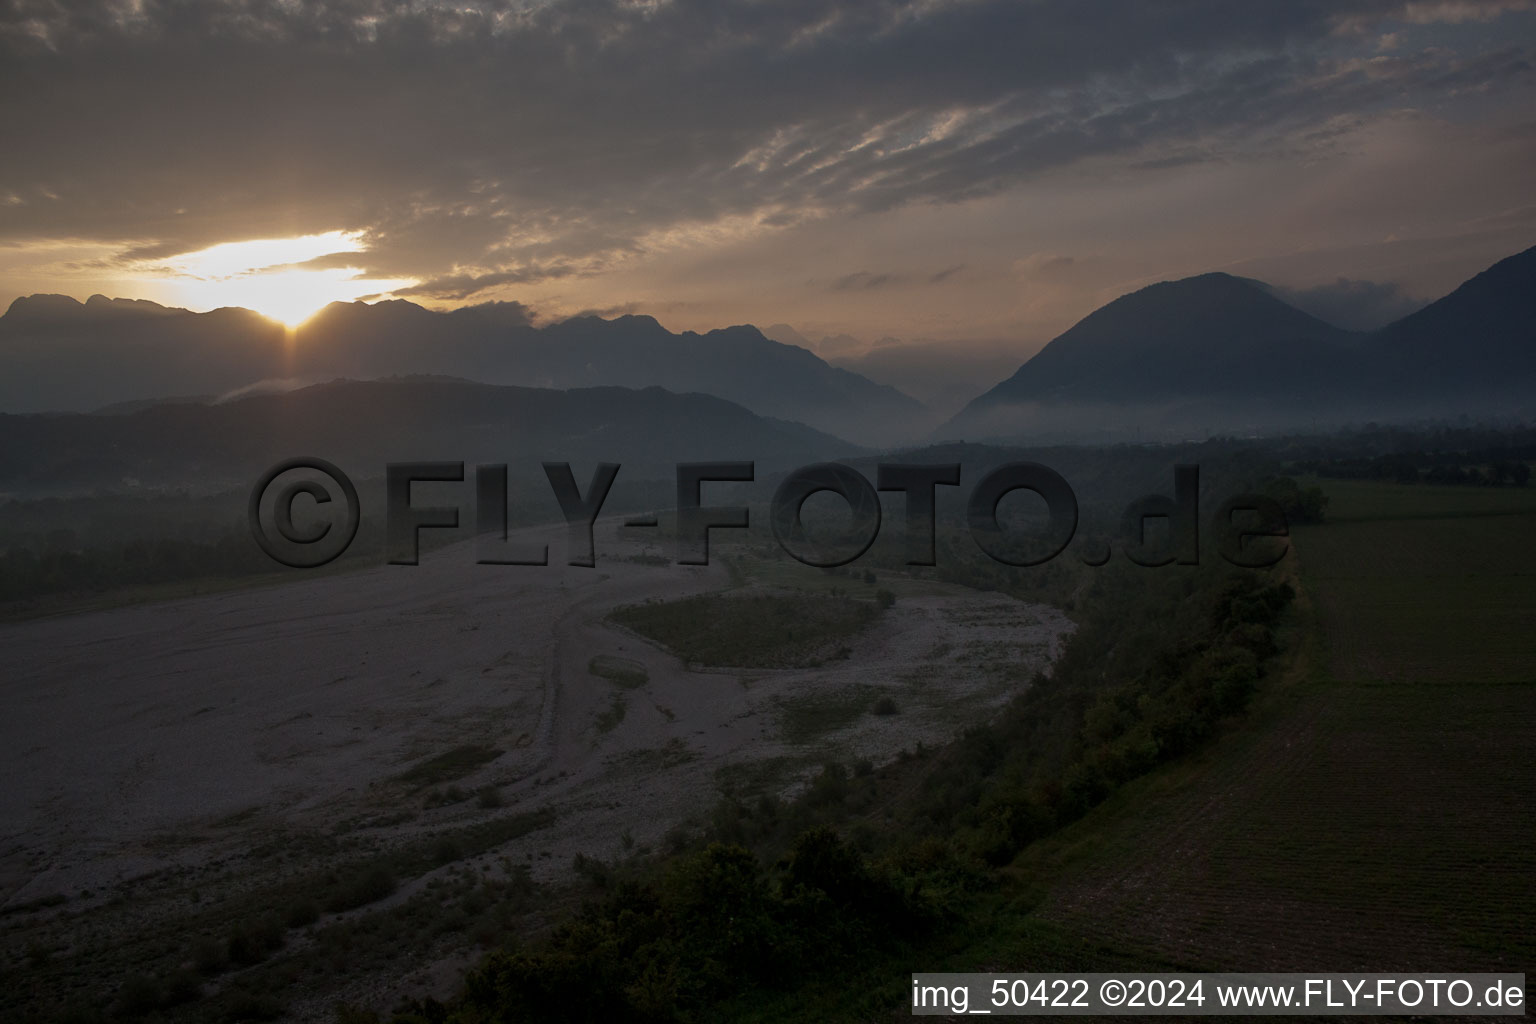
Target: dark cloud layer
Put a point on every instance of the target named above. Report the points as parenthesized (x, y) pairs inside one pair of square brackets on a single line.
[(480, 146)]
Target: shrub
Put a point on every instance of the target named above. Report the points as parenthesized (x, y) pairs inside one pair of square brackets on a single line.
[(255, 942), (592, 869), (302, 912), (181, 986), (750, 631), (446, 850), (619, 671), (246, 1006), (208, 955), (138, 995), (368, 885)]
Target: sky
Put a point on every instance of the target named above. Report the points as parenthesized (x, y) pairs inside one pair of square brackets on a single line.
[(959, 176)]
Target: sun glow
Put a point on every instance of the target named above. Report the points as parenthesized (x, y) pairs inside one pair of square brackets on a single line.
[(287, 279)]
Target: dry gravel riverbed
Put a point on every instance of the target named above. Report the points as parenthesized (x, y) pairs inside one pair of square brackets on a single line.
[(170, 740)]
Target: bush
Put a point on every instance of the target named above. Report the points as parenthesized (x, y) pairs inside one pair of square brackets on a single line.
[(368, 885), (592, 869), (181, 986), (255, 942), (247, 1006), (1300, 505), (750, 631), (714, 924), (138, 995), (209, 956), (445, 797), (302, 912), (446, 850)]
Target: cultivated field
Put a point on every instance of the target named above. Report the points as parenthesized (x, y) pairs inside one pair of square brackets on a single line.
[(1431, 584), (1377, 811)]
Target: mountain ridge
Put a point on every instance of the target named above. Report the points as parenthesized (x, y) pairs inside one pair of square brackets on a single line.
[(362, 425), (61, 358), (1215, 348)]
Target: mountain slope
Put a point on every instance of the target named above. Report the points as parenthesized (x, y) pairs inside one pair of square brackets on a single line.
[(361, 426), (1195, 336), (735, 363), (1482, 336), (60, 354), (65, 355), (1222, 352)]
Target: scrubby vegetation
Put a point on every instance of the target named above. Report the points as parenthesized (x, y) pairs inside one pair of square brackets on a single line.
[(1300, 504), (451, 764), (756, 630), (1503, 465), (714, 923), (808, 718), (788, 895), (764, 908), (1147, 677), (624, 672)]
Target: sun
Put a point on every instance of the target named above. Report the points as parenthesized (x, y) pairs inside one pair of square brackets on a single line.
[(286, 279)]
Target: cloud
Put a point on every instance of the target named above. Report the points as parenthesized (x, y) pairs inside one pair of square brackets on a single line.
[(461, 286), (500, 312), (1354, 305), (866, 280), (477, 147), (863, 280), (1045, 265), (1456, 12), (609, 312)]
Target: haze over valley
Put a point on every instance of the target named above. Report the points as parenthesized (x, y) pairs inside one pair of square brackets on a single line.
[(695, 510)]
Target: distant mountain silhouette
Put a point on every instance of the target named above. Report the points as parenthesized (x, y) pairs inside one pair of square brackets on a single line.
[(362, 425), (1213, 352), (735, 363), (786, 335), (124, 408), (1480, 339), (64, 355), (60, 354), (1222, 352), (942, 375)]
